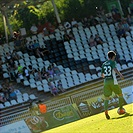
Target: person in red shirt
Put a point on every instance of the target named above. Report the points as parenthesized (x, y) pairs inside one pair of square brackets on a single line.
[(51, 28), (40, 27)]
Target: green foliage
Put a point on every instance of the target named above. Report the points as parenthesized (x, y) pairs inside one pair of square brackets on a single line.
[(15, 23), (46, 12), (73, 9), (125, 4), (26, 15), (1, 25)]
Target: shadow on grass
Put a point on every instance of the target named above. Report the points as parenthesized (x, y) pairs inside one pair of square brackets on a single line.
[(123, 116)]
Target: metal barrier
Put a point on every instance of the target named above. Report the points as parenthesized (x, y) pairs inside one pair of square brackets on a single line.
[(58, 103), (14, 117)]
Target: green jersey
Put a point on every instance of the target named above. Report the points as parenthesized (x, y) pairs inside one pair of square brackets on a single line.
[(20, 69), (107, 70)]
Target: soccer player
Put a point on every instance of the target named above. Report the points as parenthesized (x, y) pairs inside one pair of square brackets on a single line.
[(110, 82)]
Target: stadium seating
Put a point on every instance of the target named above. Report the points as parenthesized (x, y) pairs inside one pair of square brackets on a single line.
[(78, 62), (21, 98)]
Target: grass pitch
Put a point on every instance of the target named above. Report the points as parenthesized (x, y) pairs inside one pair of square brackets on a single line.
[(99, 124)]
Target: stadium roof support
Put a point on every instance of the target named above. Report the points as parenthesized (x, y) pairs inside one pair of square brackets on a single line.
[(56, 12)]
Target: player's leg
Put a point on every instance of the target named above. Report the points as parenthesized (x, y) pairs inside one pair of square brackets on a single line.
[(121, 101), (117, 90), (107, 94), (106, 101)]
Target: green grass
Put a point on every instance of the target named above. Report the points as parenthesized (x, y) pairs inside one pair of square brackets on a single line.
[(99, 124)]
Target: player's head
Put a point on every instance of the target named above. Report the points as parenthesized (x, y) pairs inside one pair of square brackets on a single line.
[(111, 55)]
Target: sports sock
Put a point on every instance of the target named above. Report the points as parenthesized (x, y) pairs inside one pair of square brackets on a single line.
[(120, 101), (106, 104)]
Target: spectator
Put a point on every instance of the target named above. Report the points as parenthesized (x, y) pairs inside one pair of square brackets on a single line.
[(26, 73), (100, 14), (31, 70), (11, 93), (98, 39), (85, 22), (44, 73), (38, 53), (15, 56), (4, 92), (11, 64), (51, 28), (33, 29), (92, 41), (42, 108), (59, 86), (125, 26), (40, 27), (45, 31), (35, 44), (93, 21), (74, 23), (66, 37), (130, 20), (115, 13), (38, 76), (30, 48), (2, 98), (43, 50), (121, 32), (20, 68), (2, 95), (46, 24), (23, 44), (109, 19), (100, 11), (53, 89), (8, 56), (11, 69), (71, 36), (17, 43), (56, 70), (50, 72), (16, 35)]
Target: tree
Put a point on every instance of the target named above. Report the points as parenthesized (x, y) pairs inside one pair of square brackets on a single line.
[(25, 15)]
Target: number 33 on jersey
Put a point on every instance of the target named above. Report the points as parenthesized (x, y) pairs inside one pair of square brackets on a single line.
[(107, 68)]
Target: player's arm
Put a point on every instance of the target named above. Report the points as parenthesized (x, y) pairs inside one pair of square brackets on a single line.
[(102, 72), (118, 72), (102, 75)]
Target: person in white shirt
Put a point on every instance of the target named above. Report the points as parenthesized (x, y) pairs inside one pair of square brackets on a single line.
[(26, 73), (74, 23), (33, 29)]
